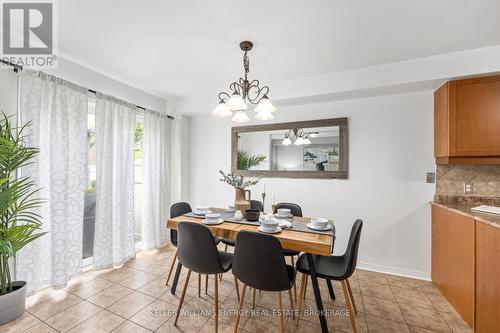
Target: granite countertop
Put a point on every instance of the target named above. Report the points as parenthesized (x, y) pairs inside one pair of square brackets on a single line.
[(464, 209)]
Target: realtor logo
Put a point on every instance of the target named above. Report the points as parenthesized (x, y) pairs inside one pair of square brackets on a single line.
[(28, 33)]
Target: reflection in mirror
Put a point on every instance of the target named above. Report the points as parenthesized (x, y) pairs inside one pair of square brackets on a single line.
[(297, 149)]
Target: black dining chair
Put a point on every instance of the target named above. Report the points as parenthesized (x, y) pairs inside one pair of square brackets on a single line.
[(197, 251), (254, 204), (176, 210), (259, 263), (339, 268)]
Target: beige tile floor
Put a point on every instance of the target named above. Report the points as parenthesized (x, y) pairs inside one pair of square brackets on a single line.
[(134, 298)]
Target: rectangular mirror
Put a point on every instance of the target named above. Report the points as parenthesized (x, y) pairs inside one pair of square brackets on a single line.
[(305, 149)]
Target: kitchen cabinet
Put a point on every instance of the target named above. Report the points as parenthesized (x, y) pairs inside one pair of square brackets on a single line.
[(467, 121)]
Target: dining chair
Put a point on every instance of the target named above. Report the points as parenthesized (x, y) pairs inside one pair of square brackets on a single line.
[(197, 251), (339, 268), (254, 204), (179, 209), (259, 263), (295, 210)]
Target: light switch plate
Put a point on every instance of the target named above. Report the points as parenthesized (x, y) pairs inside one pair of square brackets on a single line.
[(430, 177), (468, 188)]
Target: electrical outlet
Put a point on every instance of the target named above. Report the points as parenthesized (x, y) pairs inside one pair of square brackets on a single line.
[(468, 188), (431, 177)]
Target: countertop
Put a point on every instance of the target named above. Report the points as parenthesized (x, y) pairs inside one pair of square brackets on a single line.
[(465, 209)]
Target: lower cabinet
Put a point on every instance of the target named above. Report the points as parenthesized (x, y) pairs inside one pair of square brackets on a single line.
[(487, 278), (466, 267), (453, 270)]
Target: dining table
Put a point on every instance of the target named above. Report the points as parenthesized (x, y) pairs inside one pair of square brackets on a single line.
[(298, 237)]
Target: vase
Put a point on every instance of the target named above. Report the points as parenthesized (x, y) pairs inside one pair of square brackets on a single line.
[(12, 305), (242, 200)]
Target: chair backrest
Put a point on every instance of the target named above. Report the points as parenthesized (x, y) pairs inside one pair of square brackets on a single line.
[(295, 209), (259, 263), (178, 209), (351, 252), (256, 204), (196, 248)]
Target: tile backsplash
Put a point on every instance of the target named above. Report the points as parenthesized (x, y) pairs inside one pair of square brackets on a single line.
[(485, 179)]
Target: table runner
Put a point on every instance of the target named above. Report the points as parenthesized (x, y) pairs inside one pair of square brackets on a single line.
[(296, 225)]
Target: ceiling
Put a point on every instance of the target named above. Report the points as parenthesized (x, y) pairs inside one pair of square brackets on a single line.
[(190, 48)]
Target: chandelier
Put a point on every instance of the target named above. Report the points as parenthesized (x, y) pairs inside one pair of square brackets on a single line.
[(243, 92), (298, 136)]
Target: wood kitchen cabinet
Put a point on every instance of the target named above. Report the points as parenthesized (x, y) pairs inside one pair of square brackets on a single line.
[(487, 278), (467, 121), (453, 267)]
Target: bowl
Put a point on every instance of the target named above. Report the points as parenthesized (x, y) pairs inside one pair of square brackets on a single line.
[(201, 210), (319, 222), (284, 212), (270, 224), (252, 214), (213, 216)]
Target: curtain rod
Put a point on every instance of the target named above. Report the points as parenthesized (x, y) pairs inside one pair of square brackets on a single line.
[(18, 68)]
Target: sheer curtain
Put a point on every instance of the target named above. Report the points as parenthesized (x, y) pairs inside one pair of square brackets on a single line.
[(156, 201), (114, 224), (57, 110)]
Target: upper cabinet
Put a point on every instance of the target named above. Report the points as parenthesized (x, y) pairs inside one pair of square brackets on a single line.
[(467, 121)]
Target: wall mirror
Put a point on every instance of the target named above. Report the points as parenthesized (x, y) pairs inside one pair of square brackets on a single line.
[(303, 149)]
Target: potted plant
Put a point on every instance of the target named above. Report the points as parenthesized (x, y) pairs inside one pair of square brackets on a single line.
[(242, 194), (245, 161), (19, 225)]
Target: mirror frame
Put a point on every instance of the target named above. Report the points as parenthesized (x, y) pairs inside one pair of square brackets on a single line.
[(343, 144)]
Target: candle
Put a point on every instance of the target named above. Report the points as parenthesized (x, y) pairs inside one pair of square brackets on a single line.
[(274, 198)]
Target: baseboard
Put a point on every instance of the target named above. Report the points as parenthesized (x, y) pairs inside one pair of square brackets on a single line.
[(395, 271)]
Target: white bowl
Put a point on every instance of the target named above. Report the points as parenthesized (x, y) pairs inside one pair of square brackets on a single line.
[(269, 224), (213, 216), (201, 210), (284, 211), (319, 222)]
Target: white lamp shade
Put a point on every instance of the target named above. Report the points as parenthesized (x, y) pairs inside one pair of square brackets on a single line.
[(264, 115), (299, 141), (240, 117), (265, 105), (306, 141), (236, 102), (286, 141), (222, 111)]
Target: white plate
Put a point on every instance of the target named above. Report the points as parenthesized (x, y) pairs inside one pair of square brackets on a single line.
[(310, 226), (275, 231), (202, 214), (219, 221), (278, 216)]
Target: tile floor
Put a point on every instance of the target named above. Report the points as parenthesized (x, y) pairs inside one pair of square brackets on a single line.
[(134, 298)]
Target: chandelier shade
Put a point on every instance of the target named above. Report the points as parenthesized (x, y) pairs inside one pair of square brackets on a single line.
[(244, 92)]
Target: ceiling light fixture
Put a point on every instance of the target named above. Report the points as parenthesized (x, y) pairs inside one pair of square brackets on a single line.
[(298, 136), (244, 91)]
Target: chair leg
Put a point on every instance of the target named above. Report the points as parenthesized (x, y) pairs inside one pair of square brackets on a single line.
[(291, 303), (199, 285), (351, 295), (237, 287), (294, 284), (216, 304), (206, 284), (302, 291), (305, 289), (253, 299), (171, 267), (240, 306), (182, 297), (280, 313), (349, 306)]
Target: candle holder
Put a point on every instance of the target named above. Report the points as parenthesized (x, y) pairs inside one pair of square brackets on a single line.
[(264, 200)]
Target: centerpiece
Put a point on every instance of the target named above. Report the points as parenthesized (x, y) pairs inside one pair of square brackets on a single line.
[(242, 193)]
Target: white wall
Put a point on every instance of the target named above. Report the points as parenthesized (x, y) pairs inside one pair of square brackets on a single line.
[(390, 150)]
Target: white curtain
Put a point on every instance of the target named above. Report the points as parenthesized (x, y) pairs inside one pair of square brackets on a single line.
[(114, 224), (57, 110), (155, 159)]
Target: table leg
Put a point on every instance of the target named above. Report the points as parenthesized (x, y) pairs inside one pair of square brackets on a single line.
[(176, 278), (317, 293), (330, 289)]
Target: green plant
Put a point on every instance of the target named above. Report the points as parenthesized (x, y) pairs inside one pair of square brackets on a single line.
[(245, 161), (237, 182), (19, 225)]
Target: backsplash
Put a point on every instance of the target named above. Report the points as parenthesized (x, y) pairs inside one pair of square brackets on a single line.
[(485, 180)]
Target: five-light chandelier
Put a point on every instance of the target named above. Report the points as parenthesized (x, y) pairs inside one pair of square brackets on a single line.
[(244, 91)]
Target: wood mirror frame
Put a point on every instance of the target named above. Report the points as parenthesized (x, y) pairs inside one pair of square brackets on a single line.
[(343, 149)]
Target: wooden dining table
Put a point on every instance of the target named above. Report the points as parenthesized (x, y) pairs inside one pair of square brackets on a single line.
[(308, 242)]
